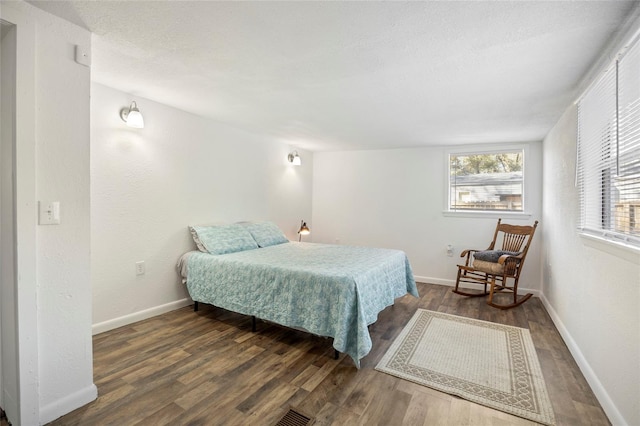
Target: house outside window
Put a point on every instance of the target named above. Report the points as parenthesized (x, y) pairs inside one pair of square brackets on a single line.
[(486, 181)]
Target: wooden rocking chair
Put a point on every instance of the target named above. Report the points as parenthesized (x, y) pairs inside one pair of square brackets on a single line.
[(495, 266)]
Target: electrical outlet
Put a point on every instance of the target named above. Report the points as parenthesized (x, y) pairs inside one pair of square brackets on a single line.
[(449, 250), (140, 269)]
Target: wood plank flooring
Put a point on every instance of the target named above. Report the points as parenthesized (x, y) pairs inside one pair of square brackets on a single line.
[(208, 368)]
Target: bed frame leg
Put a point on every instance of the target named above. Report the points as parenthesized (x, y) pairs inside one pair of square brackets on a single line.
[(336, 354), (195, 306), (253, 323)]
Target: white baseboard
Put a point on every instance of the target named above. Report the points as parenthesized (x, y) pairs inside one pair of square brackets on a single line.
[(609, 407), (101, 327), (65, 405), (451, 283)]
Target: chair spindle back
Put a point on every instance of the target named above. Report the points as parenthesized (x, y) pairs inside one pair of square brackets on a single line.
[(514, 237), (512, 242)]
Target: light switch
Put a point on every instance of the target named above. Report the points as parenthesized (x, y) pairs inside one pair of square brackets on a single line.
[(49, 213)]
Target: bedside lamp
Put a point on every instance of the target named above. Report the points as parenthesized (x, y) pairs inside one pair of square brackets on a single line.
[(304, 230)]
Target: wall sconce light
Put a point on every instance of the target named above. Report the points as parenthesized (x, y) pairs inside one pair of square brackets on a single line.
[(132, 116), (304, 230), (294, 158)]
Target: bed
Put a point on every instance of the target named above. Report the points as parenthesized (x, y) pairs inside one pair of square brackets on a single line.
[(328, 290)]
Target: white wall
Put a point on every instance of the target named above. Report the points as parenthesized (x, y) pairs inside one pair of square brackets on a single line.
[(396, 198), (148, 185), (592, 292), (56, 167)]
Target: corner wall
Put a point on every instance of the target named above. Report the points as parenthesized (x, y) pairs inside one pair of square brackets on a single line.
[(63, 263), (396, 198), (148, 185), (591, 292)]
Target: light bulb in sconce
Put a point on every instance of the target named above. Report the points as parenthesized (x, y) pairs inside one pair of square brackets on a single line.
[(294, 158), (132, 116)]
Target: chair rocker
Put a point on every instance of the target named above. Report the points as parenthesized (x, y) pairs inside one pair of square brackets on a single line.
[(494, 267)]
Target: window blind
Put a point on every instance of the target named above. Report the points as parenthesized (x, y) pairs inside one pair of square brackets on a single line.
[(627, 183), (608, 172)]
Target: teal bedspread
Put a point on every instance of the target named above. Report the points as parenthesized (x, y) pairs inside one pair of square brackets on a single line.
[(328, 290)]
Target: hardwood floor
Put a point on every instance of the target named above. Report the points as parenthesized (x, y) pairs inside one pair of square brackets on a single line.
[(208, 368)]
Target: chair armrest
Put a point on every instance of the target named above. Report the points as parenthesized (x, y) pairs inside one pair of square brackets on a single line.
[(510, 263), (502, 259), (468, 252)]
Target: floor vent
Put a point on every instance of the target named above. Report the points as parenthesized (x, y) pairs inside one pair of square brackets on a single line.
[(294, 418)]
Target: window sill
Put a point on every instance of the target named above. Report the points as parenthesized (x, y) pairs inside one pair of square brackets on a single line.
[(619, 249), (487, 215)]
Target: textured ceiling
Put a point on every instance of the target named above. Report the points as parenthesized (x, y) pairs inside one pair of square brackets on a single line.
[(354, 75)]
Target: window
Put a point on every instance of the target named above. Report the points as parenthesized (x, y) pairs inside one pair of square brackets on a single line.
[(486, 181), (608, 174)]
